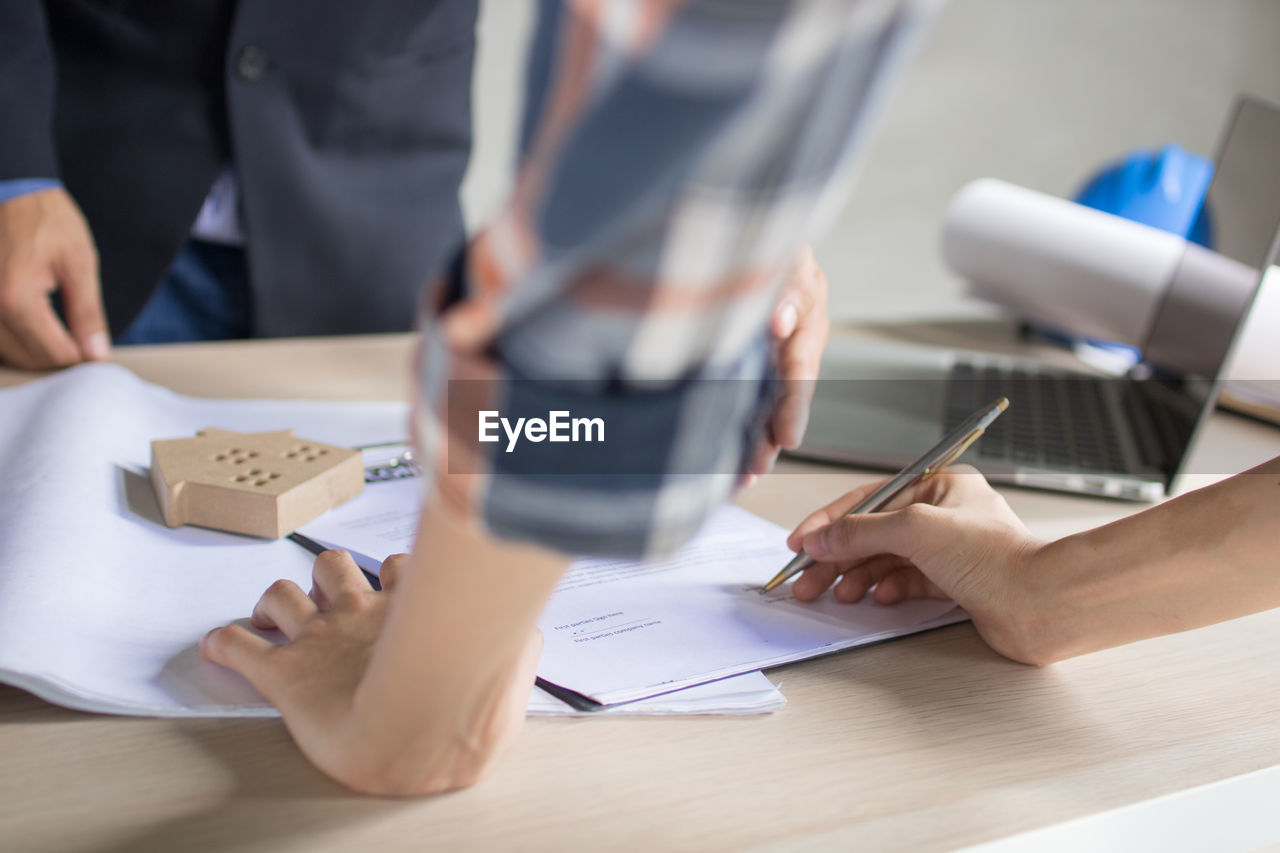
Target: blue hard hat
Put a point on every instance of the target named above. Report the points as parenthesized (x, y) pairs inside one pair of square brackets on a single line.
[(1164, 189)]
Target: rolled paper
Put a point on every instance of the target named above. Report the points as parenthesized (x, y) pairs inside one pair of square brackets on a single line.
[(1059, 263)]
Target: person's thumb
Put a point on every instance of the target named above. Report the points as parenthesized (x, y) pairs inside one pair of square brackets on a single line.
[(82, 302)]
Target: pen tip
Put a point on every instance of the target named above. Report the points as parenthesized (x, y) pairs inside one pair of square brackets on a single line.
[(1002, 403)]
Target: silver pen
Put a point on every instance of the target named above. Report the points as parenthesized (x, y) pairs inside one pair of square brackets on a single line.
[(934, 460)]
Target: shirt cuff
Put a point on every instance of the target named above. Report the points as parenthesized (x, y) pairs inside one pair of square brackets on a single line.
[(23, 186)]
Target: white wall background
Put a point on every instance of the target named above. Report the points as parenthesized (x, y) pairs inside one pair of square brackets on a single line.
[(1038, 92)]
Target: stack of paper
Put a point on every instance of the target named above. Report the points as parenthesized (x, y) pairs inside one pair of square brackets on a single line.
[(101, 606)]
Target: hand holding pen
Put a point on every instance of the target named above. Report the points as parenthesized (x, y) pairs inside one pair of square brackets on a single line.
[(942, 454)]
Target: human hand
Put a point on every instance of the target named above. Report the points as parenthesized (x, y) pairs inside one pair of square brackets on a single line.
[(799, 325), (314, 680), (951, 537), (45, 246)]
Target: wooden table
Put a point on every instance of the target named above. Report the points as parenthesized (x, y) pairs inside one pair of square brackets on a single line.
[(925, 743)]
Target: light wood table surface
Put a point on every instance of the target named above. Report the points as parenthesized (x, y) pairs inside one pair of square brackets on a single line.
[(924, 743)]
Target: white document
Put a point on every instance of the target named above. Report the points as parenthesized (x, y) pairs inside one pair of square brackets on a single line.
[(101, 605), (618, 631)]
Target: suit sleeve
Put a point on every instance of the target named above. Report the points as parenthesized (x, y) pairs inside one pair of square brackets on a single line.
[(26, 92)]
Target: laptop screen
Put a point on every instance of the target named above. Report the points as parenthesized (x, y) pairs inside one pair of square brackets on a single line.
[(1211, 291), (1209, 295)]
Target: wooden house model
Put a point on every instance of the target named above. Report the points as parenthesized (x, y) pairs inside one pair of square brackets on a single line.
[(261, 484)]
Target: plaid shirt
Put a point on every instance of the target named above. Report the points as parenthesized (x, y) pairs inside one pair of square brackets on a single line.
[(675, 156)]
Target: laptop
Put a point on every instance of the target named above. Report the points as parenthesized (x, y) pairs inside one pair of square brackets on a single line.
[(879, 404)]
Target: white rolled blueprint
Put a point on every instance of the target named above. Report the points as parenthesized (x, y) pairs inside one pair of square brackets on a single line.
[(1102, 276), (1059, 263)]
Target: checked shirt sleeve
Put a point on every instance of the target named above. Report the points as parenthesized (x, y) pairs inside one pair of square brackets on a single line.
[(675, 157)]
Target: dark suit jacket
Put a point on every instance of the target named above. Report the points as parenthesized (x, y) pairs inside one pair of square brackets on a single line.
[(348, 122)]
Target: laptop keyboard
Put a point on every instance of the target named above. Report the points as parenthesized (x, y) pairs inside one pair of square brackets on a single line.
[(1054, 420)]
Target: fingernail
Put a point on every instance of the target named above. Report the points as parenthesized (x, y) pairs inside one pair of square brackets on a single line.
[(788, 317), (815, 544), (97, 347)]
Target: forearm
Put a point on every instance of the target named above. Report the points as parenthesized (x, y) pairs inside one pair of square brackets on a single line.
[(449, 677), (1202, 558)]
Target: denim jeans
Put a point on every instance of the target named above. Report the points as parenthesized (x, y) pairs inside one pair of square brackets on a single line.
[(203, 297)]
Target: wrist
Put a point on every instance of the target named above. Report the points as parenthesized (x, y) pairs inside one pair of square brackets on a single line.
[(404, 746), (1037, 621)]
